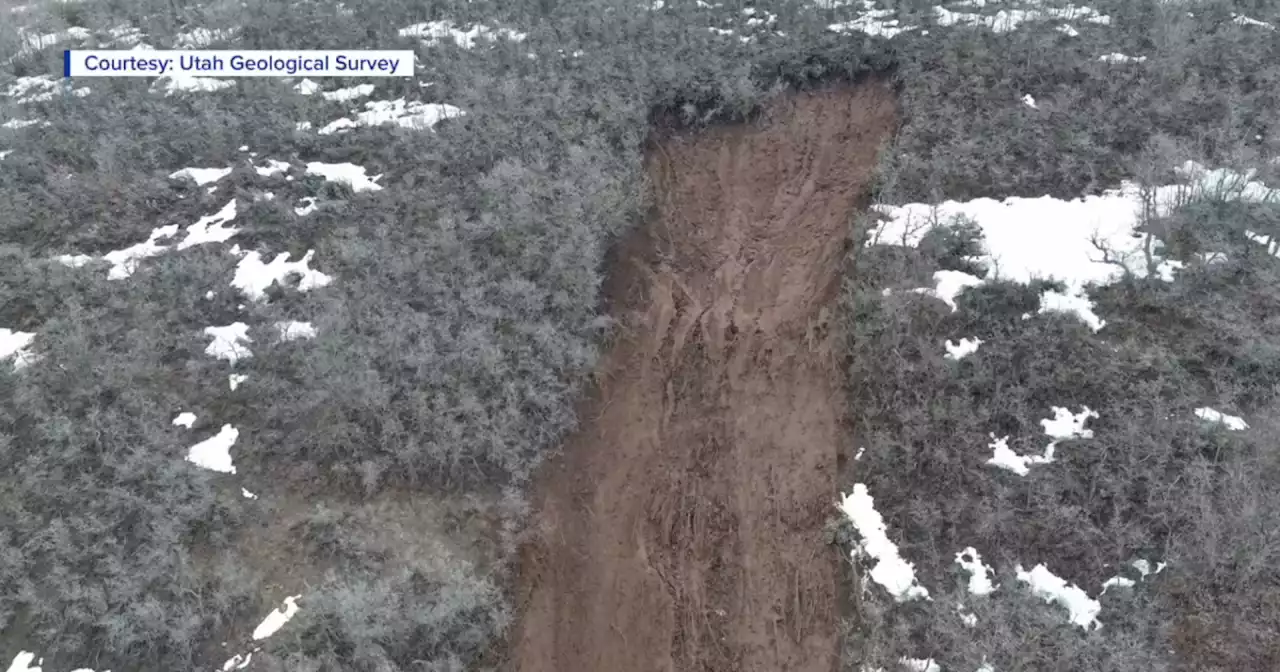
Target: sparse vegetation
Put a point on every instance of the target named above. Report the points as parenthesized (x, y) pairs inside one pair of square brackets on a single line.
[(463, 322)]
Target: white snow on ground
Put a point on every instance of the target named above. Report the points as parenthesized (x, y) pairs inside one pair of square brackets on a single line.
[(237, 662), (41, 88), (210, 229), (172, 84), (434, 32), (1272, 244), (32, 43), (347, 173), (273, 167), (948, 285), (201, 176), (234, 380), (891, 571), (306, 207), (1144, 567), (202, 37), (123, 35), (413, 115), (14, 344), (4, 153), (1076, 304), (1246, 21), (880, 22), (247, 495), (1117, 582), (293, 330), (1232, 422), (1063, 425), (966, 347), (185, 420), (1083, 610), (73, 260), (254, 277), (1029, 101), (920, 664), (1004, 457), (207, 229), (1029, 238), (17, 124), (307, 87), (125, 262), (276, 619), (214, 453), (979, 573), (1006, 20), (23, 662), (1121, 58), (872, 21), (229, 342), (349, 93)]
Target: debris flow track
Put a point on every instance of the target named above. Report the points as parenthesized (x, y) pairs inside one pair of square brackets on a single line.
[(682, 527)]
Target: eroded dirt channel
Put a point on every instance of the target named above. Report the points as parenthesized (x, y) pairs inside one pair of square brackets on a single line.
[(681, 530)]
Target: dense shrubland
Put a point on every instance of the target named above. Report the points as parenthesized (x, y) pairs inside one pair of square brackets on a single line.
[(463, 320)]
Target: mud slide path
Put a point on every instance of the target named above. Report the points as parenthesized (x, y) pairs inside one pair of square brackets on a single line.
[(681, 530)]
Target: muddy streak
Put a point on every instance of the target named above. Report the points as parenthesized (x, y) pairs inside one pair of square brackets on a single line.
[(682, 528)]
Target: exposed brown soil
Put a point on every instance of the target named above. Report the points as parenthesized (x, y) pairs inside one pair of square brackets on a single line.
[(682, 528)]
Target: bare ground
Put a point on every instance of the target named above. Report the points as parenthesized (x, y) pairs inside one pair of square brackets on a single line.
[(682, 528)]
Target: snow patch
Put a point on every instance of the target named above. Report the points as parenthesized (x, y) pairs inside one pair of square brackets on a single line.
[(890, 570), (234, 380), (948, 285), (273, 167), (172, 84), (1063, 425), (347, 173), (306, 207), (966, 347), (186, 419), (202, 37), (293, 330), (1116, 582), (15, 344), (920, 664), (41, 88), (276, 619), (73, 260), (979, 573), (1083, 610), (1117, 57), (254, 277), (214, 453), (201, 176), (1045, 238), (434, 33), (125, 262), (16, 124), (1232, 422), (210, 229), (229, 342), (413, 115), (1007, 20), (1004, 457)]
